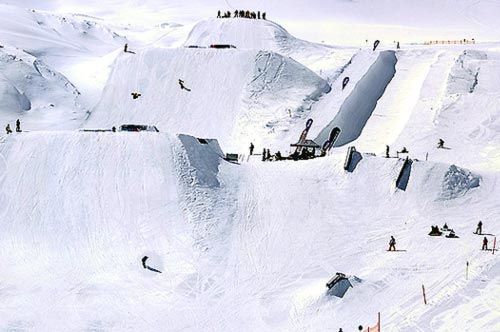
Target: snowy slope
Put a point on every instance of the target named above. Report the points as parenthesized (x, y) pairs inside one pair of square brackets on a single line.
[(108, 199), (39, 96), (247, 247), (235, 95)]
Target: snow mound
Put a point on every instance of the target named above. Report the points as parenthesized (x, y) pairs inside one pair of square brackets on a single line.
[(41, 33), (464, 75), (11, 98), (229, 90), (252, 34), (46, 97), (457, 182)]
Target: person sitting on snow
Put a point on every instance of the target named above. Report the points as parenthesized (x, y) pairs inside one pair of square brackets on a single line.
[(435, 231)]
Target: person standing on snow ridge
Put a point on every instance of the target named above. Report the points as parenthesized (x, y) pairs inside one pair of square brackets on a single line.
[(218, 14), (251, 148), (264, 15), (485, 244), (387, 151), (18, 126), (479, 228), (264, 154), (7, 129), (392, 244), (268, 155)]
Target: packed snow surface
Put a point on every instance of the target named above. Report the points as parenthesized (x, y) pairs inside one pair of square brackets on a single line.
[(246, 246)]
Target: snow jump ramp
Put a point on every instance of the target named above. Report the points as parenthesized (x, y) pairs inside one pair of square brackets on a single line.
[(359, 105), (404, 174)]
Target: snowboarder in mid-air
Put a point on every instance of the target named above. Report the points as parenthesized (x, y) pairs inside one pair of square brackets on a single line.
[(485, 244), (18, 126), (181, 83), (251, 148), (392, 244), (7, 129), (479, 228), (144, 265)]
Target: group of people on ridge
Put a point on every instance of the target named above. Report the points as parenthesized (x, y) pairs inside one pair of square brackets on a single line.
[(18, 127), (242, 14)]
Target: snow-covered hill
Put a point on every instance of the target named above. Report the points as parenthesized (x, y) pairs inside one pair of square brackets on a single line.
[(236, 96), (39, 96), (248, 246)]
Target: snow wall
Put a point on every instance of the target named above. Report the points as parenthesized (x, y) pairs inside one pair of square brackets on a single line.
[(359, 105)]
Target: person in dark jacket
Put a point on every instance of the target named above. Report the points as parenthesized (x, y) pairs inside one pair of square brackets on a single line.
[(218, 14), (387, 151), (7, 129), (264, 15), (392, 244), (18, 126), (264, 153), (479, 228), (485, 244), (251, 148), (440, 144)]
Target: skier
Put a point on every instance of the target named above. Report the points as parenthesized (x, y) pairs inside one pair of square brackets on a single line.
[(479, 228), (452, 235), (18, 126), (387, 151), (7, 129), (392, 244), (181, 83), (251, 148), (440, 144), (485, 244)]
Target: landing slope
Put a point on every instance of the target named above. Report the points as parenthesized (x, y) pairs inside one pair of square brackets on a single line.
[(230, 90)]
